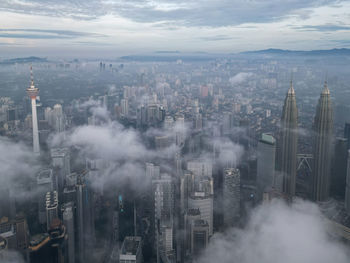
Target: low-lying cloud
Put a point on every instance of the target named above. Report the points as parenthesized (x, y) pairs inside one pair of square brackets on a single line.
[(18, 166), (240, 78), (277, 232)]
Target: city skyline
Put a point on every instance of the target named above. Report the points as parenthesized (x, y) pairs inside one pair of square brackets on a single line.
[(168, 131)]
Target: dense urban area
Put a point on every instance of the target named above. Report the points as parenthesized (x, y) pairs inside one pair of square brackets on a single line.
[(172, 157)]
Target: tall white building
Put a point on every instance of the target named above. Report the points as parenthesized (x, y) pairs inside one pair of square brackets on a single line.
[(125, 107), (61, 163), (58, 118), (231, 196), (32, 92), (203, 202)]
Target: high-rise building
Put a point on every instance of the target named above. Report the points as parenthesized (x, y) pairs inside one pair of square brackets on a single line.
[(58, 239), (347, 187), (266, 165), (204, 202), (347, 133), (125, 107), (231, 196), (186, 187), (164, 198), (61, 163), (32, 92), (45, 183), (51, 207), (152, 171), (322, 146), (288, 142), (58, 118), (131, 251), (200, 168), (199, 236), (21, 232), (339, 167), (68, 221), (7, 202), (85, 217)]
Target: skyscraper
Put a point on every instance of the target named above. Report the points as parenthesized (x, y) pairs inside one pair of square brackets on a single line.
[(199, 236), (288, 142), (231, 195), (323, 129), (347, 187), (204, 202), (266, 164), (32, 92), (51, 208), (131, 251), (68, 220), (339, 167), (347, 133)]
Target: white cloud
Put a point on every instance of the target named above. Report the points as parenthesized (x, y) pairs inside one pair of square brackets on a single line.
[(147, 26), (277, 232), (240, 78)]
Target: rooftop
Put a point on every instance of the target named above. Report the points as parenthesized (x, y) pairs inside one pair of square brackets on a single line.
[(131, 245)]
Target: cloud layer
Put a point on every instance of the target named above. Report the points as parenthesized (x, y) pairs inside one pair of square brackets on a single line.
[(192, 13), (278, 233)]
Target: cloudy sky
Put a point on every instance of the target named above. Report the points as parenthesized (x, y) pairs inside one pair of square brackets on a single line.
[(119, 27)]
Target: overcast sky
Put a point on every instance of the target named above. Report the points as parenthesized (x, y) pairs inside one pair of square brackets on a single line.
[(119, 27)]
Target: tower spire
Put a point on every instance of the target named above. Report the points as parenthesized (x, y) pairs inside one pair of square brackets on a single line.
[(291, 88), (325, 88), (31, 76), (32, 92)]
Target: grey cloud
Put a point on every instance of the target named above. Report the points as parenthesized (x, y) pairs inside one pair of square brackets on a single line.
[(18, 167), (189, 13), (323, 28), (277, 232), (44, 34), (217, 38), (111, 142)]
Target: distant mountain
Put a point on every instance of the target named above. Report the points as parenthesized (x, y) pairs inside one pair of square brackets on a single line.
[(167, 52), (328, 52), (23, 60), (167, 58)]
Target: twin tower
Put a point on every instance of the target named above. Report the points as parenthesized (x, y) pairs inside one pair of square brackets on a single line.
[(322, 142)]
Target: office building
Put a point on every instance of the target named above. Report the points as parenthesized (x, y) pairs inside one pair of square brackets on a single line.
[(288, 142), (199, 236), (68, 221), (231, 196), (45, 183), (200, 168), (347, 187), (322, 146), (51, 207), (347, 133), (266, 165), (203, 202), (339, 168), (131, 251)]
